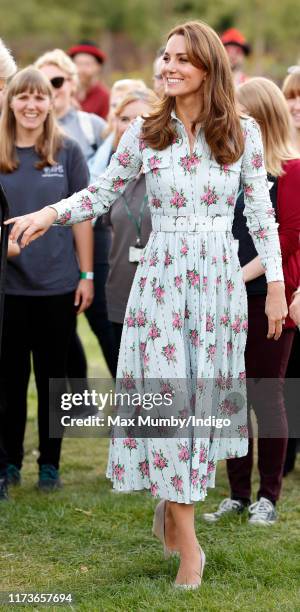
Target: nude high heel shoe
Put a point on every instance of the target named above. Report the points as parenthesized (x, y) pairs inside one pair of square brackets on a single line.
[(192, 587), (158, 528)]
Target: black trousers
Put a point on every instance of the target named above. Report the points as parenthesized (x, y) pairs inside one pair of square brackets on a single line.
[(40, 327)]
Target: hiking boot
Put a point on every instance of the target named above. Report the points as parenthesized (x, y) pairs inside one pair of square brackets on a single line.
[(13, 475), (49, 479), (262, 512), (227, 506)]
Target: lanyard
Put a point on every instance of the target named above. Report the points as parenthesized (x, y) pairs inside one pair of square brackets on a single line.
[(136, 222)]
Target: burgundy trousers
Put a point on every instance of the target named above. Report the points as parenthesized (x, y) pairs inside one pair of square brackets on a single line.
[(265, 359)]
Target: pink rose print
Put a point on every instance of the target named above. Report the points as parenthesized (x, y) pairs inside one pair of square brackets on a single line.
[(141, 318), (211, 466), (65, 217), (130, 443), (236, 325), (210, 325), (230, 287), (224, 381), (210, 197), (118, 471), (214, 260), (144, 468), (86, 203), (158, 292), (204, 284), (130, 320), (203, 454), (177, 483), (256, 161), (153, 163), (195, 477), (189, 163), (184, 249), (243, 431), (155, 202), (159, 461), (92, 189), (154, 332), (168, 352), (194, 337), (128, 380), (230, 201), (184, 453), (224, 319), (187, 313), (245, 325), (261, 234), (124, 158), (211, 352), (248, 191), (193, 278), (224, 169), (203, 483), (118, 183), (242, 376), (142, 283), (178, 200), (178, 282), (167, 388), (154, 489), (228, 407), (154, 259), (177, 322), (168, 259)]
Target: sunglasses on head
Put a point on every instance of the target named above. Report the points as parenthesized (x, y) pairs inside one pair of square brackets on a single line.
[(57, 82)]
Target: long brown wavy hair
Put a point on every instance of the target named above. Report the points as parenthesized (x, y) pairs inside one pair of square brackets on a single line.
[(218, 115), (50, 141)]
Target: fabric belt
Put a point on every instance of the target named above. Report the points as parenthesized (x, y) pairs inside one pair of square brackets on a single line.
[(190, 223)]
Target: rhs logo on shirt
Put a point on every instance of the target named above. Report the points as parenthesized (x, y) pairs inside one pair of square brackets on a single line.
[(53, 171)]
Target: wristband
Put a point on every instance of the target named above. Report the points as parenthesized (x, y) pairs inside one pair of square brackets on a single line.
[(87, 275)]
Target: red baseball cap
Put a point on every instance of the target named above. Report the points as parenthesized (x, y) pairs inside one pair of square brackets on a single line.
[(234, 37), (89, 48)]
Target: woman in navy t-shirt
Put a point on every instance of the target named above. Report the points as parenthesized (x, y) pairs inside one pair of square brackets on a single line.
[(43, 288)]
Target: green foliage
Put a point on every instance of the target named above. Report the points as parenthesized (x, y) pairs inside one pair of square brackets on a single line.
[(32, 26)]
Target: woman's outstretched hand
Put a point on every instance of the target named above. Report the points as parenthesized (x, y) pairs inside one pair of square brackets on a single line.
[(31, 226), (276, 309)]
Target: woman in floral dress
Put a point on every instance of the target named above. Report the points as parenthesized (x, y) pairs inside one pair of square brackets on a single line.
[(186, 318)]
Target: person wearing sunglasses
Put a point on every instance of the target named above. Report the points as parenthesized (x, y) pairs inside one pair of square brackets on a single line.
[(86, 128), (89, 131)]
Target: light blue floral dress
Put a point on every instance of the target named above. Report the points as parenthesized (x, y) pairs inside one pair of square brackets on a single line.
[(186, 317)]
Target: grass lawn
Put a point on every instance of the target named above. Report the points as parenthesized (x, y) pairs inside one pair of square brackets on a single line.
[(97, 545)]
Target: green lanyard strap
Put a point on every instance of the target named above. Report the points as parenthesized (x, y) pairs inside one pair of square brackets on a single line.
[(136, 222)]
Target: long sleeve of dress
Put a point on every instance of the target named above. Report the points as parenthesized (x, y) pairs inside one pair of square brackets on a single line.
[(258, 207), (96, 199)]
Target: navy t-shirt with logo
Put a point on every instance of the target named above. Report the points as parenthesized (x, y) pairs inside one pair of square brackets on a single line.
[(48, 266)]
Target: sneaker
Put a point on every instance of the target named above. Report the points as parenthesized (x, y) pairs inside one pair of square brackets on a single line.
[(48, 478), (3, 490), (262, 512), (13, 475), (226, 506)]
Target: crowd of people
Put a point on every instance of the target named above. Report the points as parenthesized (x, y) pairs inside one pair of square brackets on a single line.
[(121, 259)]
